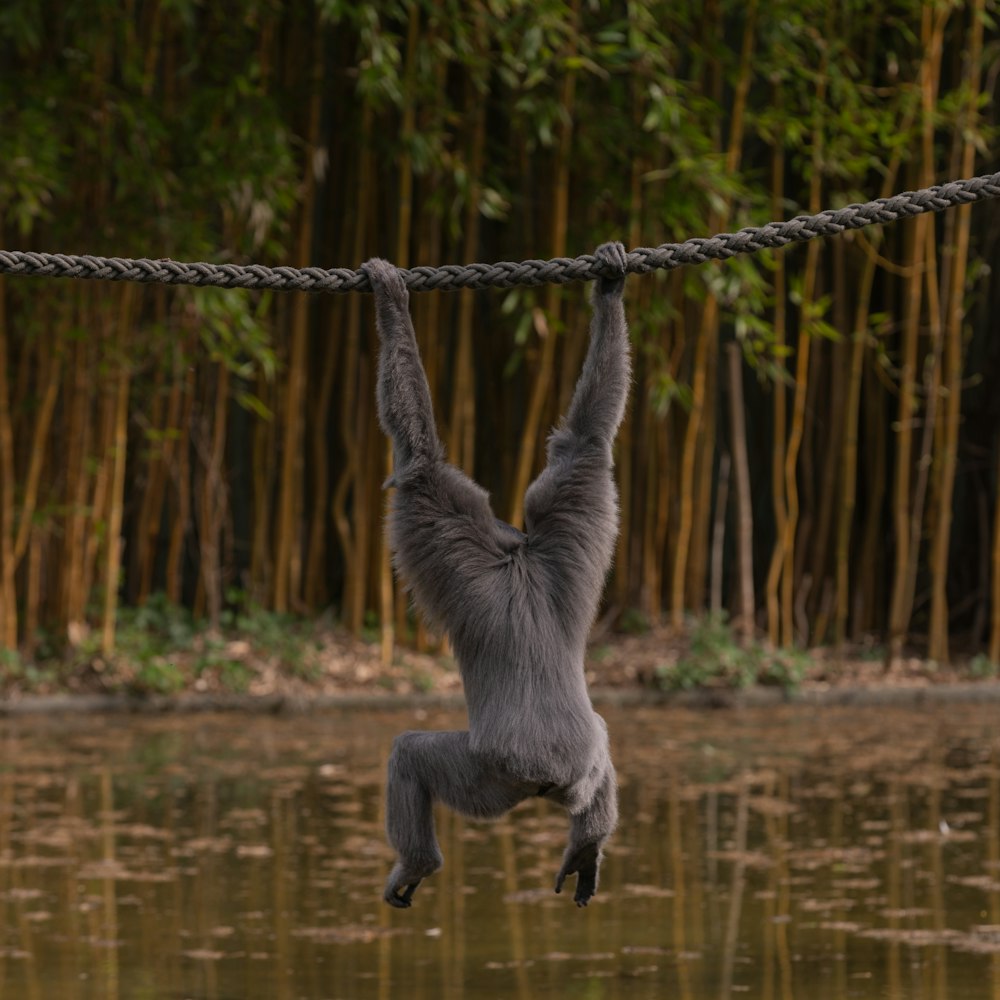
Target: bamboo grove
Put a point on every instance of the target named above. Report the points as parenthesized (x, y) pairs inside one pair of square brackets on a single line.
[(813, 445)]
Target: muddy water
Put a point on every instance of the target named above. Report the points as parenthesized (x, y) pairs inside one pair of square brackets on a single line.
[(776, 854)]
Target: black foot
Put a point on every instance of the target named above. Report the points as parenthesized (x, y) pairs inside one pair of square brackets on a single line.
[(404, 900), (584, 864)]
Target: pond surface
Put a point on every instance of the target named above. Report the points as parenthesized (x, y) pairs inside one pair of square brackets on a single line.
[(780, 853)]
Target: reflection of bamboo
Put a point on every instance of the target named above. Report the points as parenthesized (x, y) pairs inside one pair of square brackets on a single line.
[(939, 964), (448, 891), (458, 868), (712, 836), (694, 852), (993, 856), (279, 866), (995, 616), (518, 951), (206, 890), (109, 897), (24, 928), (769, 923), (540, 860), (735, 891), (72, 809), (894, 971), (679, 916), (840, 950), (784, 902), (384, 911), (6, 812)]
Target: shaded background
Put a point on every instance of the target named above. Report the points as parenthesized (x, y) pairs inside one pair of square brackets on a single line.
[(813, 441)]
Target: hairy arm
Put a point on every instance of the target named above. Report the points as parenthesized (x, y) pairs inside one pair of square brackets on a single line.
[(441, 527), (598, 403), (571, 510), (403, 396)]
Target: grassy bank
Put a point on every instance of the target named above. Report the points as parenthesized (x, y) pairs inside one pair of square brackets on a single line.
[(162, 650)]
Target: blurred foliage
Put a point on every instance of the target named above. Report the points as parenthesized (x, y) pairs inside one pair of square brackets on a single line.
[(716, 658)]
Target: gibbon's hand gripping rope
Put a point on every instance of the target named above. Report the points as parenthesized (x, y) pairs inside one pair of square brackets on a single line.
[(506, 274)]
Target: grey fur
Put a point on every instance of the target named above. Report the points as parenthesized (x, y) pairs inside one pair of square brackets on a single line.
[(518, 606)]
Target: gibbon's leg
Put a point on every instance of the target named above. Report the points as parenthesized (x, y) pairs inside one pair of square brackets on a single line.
[(589, 829), (429, 766)]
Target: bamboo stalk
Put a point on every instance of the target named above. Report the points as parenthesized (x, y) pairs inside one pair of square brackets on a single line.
[(174, 583), (852, 405), (744, 618), (559, 225), (154, 500), (898, 612), (353, 414), (8, 601), (780, 411), (261, 549), (78, 434), (462, 422), (699, 438), (706, 444), (103, 479), (679, 596), (288, 551), (795, 434), (828, 433), (213, 498), (42, 425), (116, 505), (624, 441), (938, 638), (797, 428), (994, 647), (141, 549), (342, 174)]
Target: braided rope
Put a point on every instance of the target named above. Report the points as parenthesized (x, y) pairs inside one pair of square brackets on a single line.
[(506, 274)]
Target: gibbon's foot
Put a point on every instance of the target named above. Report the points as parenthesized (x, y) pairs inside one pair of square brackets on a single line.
[(404, 879), (404, 901), (583, 862), (615, 259)]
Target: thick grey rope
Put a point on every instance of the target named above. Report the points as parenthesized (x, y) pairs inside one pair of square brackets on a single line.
[(506, 274)]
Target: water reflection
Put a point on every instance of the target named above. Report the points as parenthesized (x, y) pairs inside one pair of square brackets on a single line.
[(777, 854)]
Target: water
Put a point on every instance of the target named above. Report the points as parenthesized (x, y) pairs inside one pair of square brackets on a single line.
[(778, 854)]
